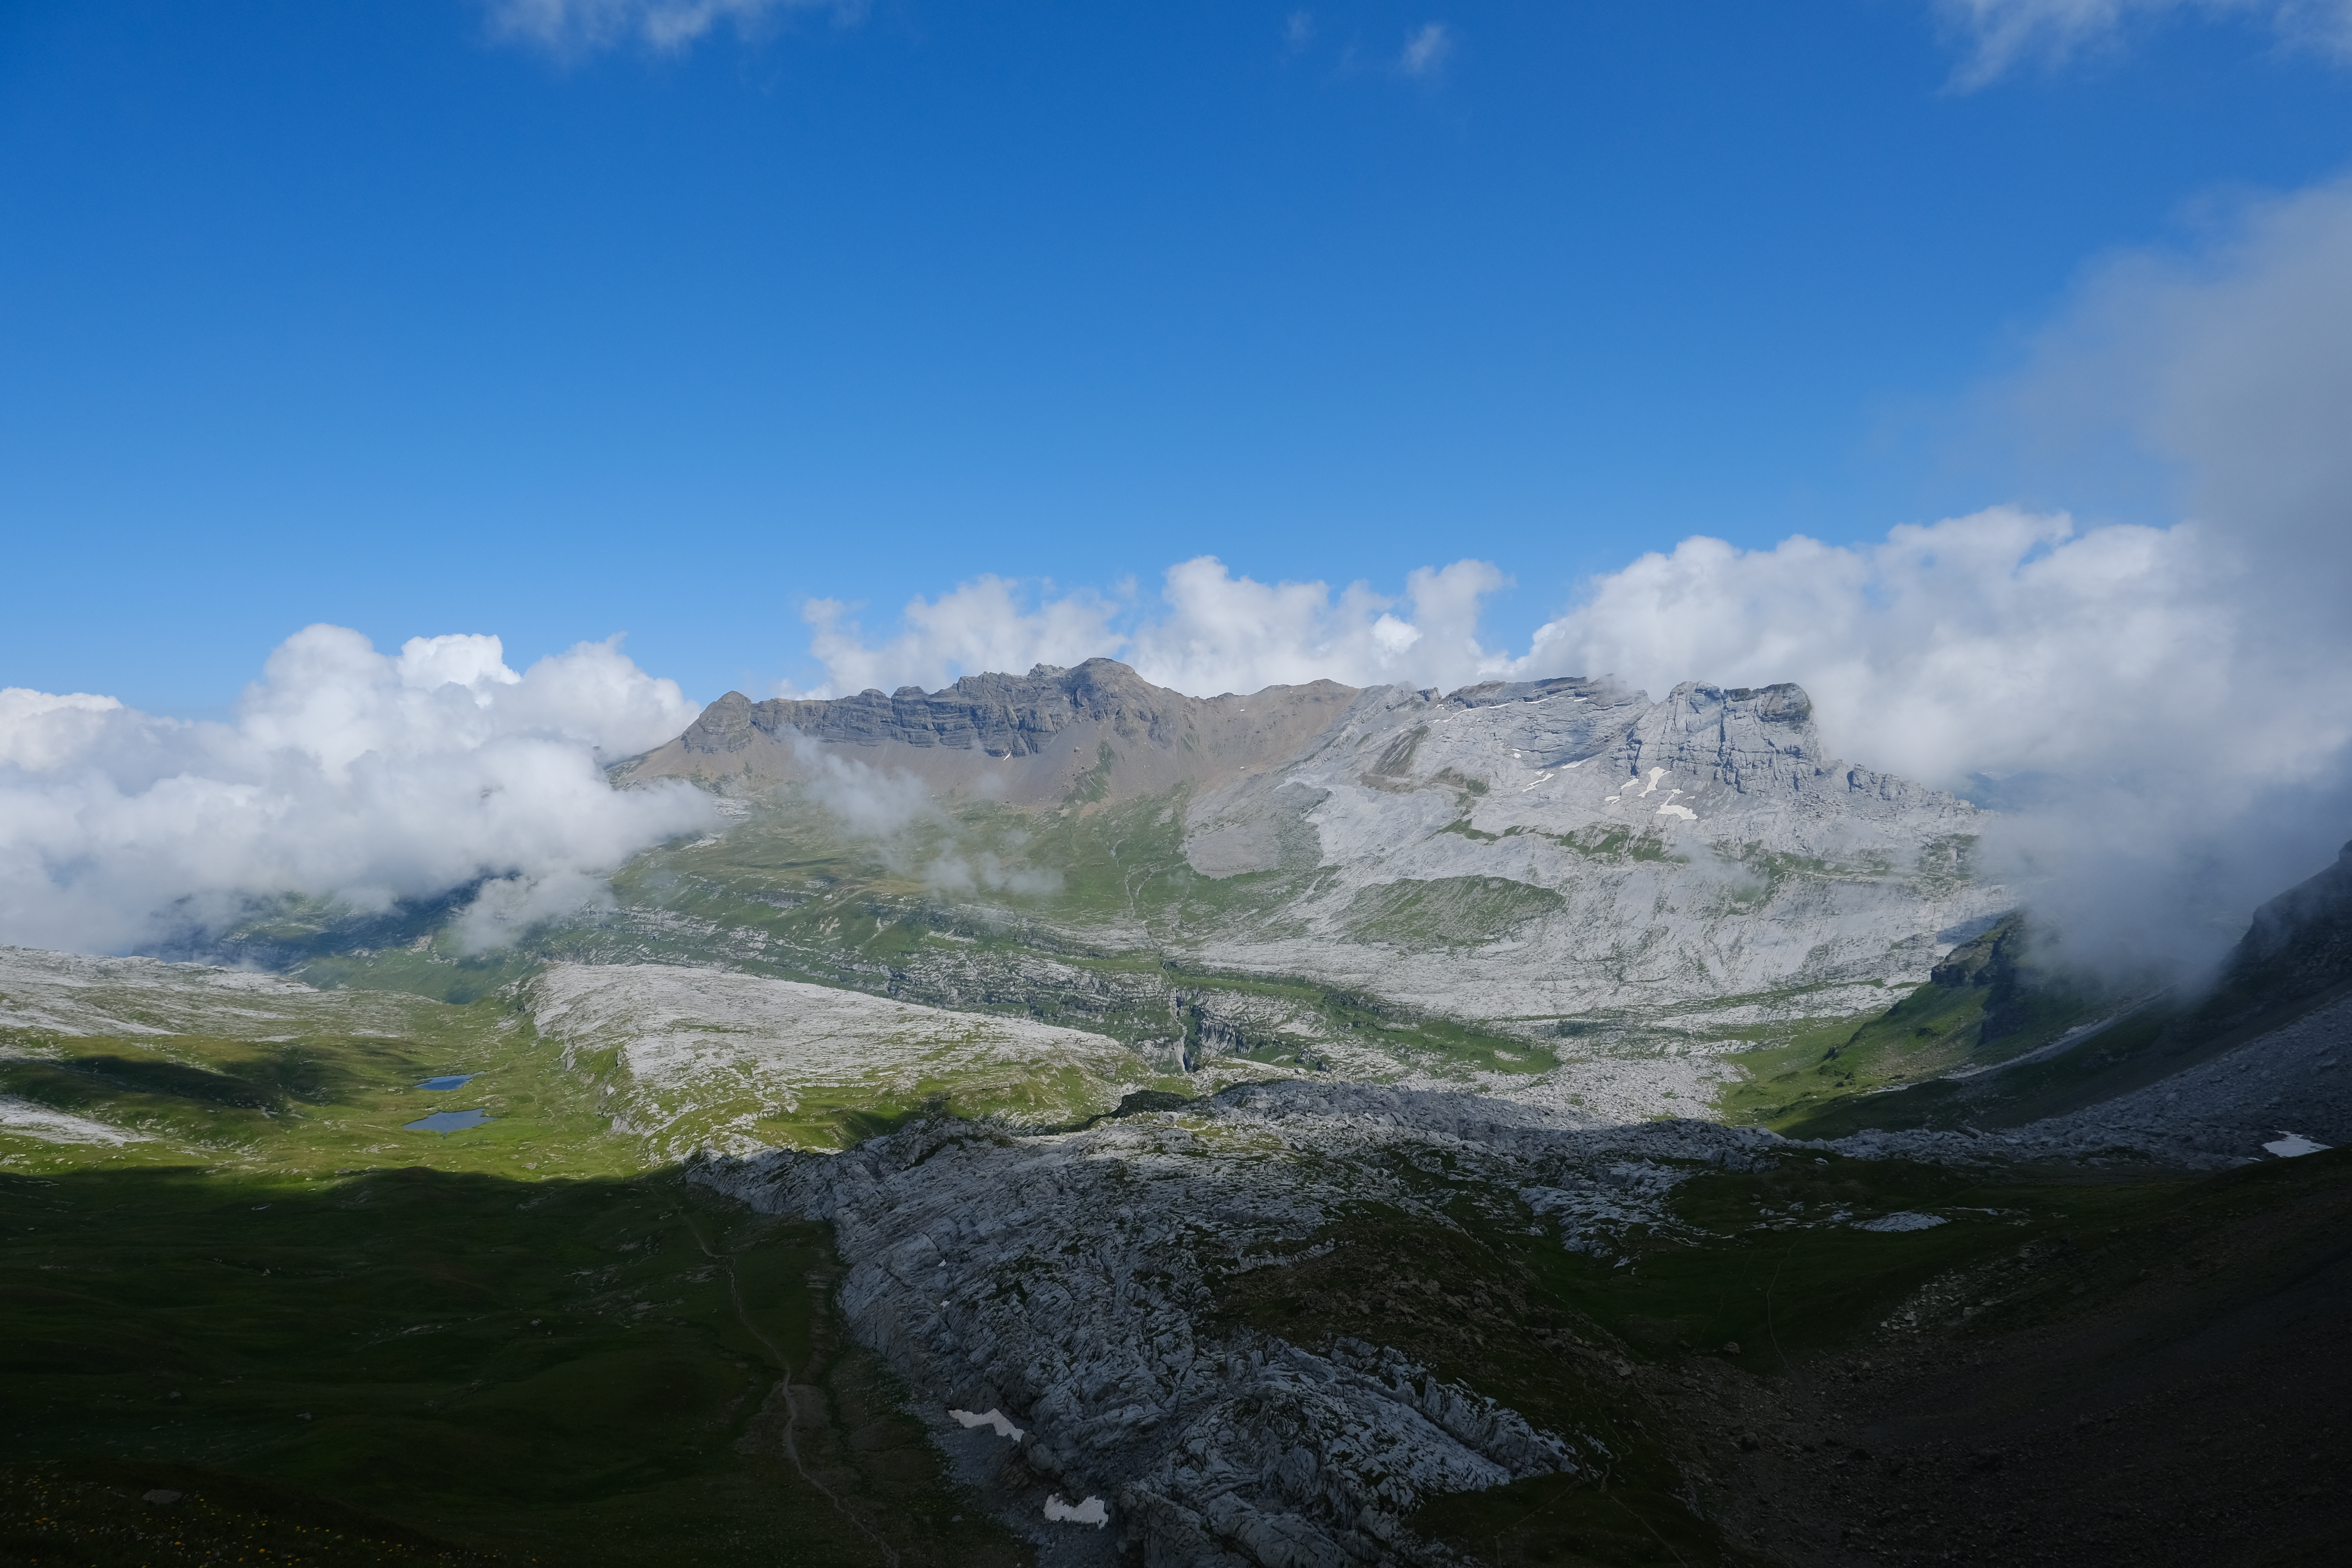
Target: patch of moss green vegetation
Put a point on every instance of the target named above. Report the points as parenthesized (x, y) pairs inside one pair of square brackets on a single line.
[(431, 1365), (1391, 770), (1472, 1306), (1926, 1061), (1612, 845), (1100, 893), (1095, 783), (1770, 868), (1515, 1315), (1461, 784), (323, 1101), (410, 947), (1448, 911)]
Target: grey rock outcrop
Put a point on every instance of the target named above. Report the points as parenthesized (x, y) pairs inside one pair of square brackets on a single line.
[(1098, 728), (1567, 847), (1003, 715), (1069, 1282)]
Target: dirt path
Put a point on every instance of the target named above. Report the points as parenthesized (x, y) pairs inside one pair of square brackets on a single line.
[(792, 1406)]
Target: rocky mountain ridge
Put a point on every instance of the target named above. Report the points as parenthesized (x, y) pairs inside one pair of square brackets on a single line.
[(1510, 855)]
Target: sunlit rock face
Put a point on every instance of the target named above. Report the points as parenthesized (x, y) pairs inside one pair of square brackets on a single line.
[(1506, 851), (1560, 847)]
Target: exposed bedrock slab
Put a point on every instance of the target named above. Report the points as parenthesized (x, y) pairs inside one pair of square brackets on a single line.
[(1069, 1282)]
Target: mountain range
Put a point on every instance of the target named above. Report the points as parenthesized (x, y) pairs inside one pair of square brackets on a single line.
[(1058, 1119)]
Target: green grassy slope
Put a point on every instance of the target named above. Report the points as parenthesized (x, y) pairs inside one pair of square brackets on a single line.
[(1929, 1060), (1079, 916)]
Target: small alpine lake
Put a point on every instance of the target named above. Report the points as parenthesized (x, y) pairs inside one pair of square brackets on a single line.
[(449, 1081), (448, 1121)]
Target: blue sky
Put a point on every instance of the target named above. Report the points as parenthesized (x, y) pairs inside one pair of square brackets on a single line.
[(367, 314)]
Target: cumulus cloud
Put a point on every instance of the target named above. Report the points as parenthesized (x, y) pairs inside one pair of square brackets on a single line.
[(2001, 34), (574, 28), (2185, 681), (986, 624), (1209, 631), (1998, 643), (348, 775)]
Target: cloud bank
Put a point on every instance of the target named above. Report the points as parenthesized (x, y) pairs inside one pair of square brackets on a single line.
[(2000, 36), (348, 775)]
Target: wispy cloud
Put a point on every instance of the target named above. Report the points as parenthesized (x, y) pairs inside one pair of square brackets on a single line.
[(2001, 36), (574, 28), (1298, 30), (1427, 51)]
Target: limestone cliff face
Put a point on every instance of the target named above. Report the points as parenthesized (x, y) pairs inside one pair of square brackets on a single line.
[(1099, 728), (1002, 715), (1667, 852)]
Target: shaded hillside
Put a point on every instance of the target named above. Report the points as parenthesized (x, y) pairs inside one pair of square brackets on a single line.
[(2043, 1049)]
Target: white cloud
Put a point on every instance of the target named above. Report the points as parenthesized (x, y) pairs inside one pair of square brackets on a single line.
[(2186, 681), (1426, 50), (348, 775), (1298, 30), (1211, 632), (2001, 34), (574, 28), (2001, 642), (980, 625), (870, 802)]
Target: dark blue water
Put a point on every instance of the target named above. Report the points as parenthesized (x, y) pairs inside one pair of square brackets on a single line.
[(449, 1122), (454, 1080)]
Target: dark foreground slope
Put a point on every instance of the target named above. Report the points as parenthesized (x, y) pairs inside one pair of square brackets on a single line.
[(1234, 1323), (414, 1367), (411, 1367)]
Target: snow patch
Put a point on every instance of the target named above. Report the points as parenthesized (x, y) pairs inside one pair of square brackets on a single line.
[(2288, 1145), (1901, 1222), (990, 1417), (1094, 1511)]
